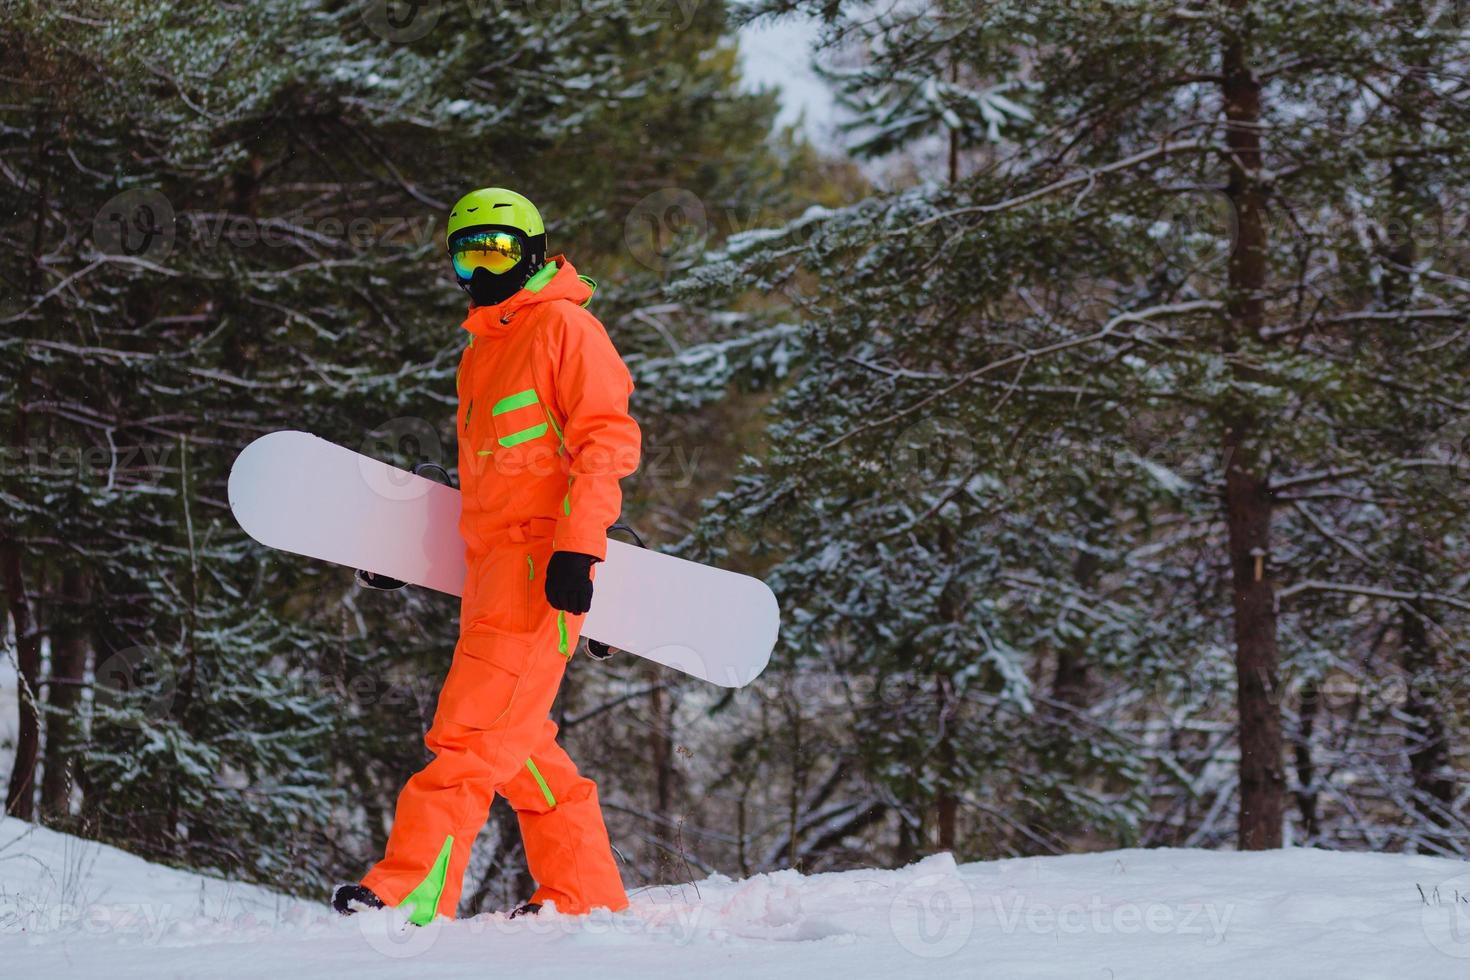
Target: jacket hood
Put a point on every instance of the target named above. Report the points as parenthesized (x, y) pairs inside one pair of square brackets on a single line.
[(556, 280)]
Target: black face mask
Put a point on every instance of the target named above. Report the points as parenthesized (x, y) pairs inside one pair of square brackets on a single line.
[(487, 289)]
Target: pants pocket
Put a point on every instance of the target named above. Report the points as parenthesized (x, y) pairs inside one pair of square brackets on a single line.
[(502, 595), (484, 678)]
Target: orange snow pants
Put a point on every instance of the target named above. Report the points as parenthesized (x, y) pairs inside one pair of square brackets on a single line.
[(492, 734)]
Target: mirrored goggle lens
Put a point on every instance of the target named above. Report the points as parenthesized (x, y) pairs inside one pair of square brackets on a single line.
[(494, 251)]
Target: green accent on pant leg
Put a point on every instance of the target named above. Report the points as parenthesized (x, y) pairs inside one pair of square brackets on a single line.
[(422, 904), (530, 569), (561, 628), (545, 790)]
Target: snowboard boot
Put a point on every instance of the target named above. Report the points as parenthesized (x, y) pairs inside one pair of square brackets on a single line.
[(530, 908), (354, 898)]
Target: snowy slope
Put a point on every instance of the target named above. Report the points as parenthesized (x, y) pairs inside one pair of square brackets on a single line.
[(69, 908)]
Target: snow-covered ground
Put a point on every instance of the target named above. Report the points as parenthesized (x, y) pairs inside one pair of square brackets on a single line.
[(72, 908)]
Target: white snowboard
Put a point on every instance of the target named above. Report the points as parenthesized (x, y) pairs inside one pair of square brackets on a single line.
[(299, 493)]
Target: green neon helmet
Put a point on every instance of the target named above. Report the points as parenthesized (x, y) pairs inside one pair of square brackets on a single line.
[(495, 206)]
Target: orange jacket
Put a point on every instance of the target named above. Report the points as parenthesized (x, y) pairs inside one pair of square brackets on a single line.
[(543, 425)]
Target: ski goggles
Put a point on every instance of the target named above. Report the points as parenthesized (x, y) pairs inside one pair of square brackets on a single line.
[(496, 252)]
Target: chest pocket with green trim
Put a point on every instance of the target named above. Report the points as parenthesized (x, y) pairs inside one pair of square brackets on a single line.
[(518, 418), (524, 433)]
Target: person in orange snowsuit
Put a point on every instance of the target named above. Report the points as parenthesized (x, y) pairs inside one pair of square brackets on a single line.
[(544, 437)]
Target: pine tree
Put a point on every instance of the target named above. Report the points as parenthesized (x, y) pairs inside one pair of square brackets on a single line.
[(1139, 321), (224, 220)]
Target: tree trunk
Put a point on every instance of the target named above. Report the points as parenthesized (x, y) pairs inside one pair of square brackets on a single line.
[(949, 809), (64, 693), (1429, 758), (798, 782), (1072, 682), (948, 805), (20, 792), (1247, 492), (905, 850), (661, 753), (1262, 781), (1306, 767)]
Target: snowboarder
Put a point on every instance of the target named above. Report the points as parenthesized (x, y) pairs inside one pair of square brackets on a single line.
[(544, 437)]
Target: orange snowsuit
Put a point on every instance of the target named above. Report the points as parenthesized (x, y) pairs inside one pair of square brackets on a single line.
[(544, 436)]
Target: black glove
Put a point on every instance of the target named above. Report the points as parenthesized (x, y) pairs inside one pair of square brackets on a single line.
[(569, 582)]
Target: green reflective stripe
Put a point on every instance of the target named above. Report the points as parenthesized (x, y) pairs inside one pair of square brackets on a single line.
[(561, 629), (530, 568), (516, 438), (566, 504), (467, 412), (512, 402), (422, 903), (538, 282), (545, 790), (485, 452)]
